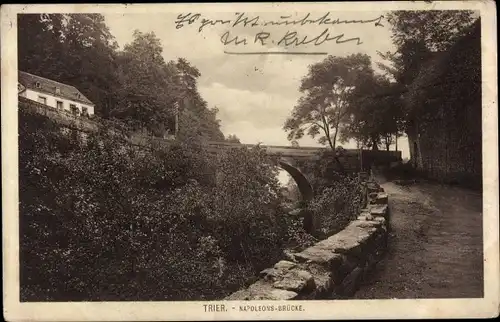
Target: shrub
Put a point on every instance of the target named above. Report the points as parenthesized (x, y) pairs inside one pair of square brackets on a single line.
[(337, 205), (103, 220)]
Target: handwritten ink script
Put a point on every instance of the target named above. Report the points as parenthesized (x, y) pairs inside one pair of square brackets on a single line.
[(285, 38)]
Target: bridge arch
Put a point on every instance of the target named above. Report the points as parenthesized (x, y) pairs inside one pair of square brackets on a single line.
[(305, 187)]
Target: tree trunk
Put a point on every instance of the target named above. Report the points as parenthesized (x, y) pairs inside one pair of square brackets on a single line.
[(332, 144), (374, 144), (396, 142), (335, 138)]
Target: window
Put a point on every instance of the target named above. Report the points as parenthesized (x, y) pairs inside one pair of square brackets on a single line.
[(42, 100), (59, 105), (58, 90), (73, 109), (38, 85), (85, 111)]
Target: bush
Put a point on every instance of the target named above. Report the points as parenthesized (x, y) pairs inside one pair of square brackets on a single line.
[(338, 204), (103, 220)]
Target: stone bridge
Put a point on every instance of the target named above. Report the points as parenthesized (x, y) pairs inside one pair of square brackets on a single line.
[(290, 159)]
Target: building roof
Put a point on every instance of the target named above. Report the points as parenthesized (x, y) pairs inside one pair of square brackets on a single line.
[(49, 86)]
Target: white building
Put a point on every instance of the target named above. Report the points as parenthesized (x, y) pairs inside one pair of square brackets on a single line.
[(54, 94)]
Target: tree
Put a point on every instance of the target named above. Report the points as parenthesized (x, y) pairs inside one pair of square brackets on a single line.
[(135, 85), (197, 120), (419, 37), (147, 95), (324, 104), (374, 117), (418, 34), (40, 46), (233, 138), (437, 29), (77, 49), (91, 50)]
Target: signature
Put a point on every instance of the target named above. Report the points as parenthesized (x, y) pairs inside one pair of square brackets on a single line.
[(243, 19), (290, 38)]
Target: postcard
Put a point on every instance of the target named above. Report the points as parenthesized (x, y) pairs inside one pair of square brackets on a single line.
[(250, 161)]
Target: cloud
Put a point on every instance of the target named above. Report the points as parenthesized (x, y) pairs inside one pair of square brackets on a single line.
[(253, 116), (254, 93), (244, 110)]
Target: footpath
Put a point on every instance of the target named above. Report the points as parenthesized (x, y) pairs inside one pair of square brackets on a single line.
[(435, 245)]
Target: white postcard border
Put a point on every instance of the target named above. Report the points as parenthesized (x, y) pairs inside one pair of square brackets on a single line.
[(344, 309)]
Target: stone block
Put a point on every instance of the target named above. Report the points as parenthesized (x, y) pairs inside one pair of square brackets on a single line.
[(372, 187), (381, 241), (278, 271), (284, 265), (370, 266), (348, 265), (379, 210), (380, 199), (324, 256), (346, 241), (367, 223), (299, 281), (351, 282), (322, 279), (289, 255), (381, 220), (365, 216), (262, 291)]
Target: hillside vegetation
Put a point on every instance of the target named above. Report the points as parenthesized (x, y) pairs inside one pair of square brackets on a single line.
[(101, 220)]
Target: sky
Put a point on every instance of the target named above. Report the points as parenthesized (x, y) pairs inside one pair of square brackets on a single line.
[(255, 93)]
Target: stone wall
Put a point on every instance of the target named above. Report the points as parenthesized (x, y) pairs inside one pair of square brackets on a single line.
[(333, 268), (93, 124)]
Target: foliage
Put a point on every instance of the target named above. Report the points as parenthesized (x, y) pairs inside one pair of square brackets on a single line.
[(102, 220), (375, 117), (196, 119), (451, 79), (338, 196), (325, 102), (233, 138), (135, 84), (422, 38), (77, 49), (418, 34), (145, 91), (323, 172), (437, 29), (337, 205)]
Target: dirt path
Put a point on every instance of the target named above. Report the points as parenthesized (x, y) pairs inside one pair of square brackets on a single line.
[(435, 246)]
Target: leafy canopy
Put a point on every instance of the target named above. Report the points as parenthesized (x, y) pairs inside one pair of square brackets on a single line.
[(136, 85), (324, 103)]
